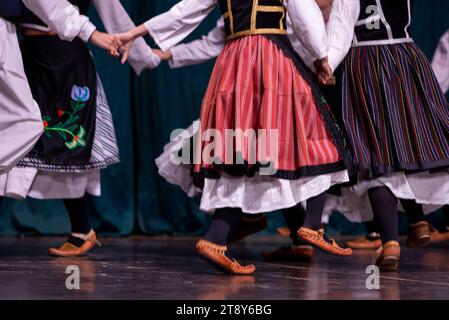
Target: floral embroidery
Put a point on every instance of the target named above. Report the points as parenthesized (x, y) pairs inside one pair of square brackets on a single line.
[(67, 128), (80, 94)]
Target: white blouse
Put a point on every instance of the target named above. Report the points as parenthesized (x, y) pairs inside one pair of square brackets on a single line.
[(440, 62), (171, 27), (66, 21), (342, 21), (63, 18)]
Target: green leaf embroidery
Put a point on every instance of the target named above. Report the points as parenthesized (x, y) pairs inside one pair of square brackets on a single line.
[(66, 130)]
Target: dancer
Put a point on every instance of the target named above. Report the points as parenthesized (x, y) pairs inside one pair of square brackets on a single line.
[(79, 137), (395, 115), (421, 233), (21, 123), (246, 93), (200, 51)]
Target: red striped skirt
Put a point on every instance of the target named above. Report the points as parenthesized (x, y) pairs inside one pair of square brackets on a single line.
[(260, 112)]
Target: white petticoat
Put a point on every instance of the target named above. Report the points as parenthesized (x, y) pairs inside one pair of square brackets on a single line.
[(429, 189), (261, 194), (253, 195), (20, 183), (178, 174)]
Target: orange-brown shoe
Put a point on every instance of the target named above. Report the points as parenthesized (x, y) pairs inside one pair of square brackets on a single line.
[(419, 235), (389, 258), (70, 250), (290, 254), (320, 240), (371, 242), (216, 256), (285, 232), (439, 237)]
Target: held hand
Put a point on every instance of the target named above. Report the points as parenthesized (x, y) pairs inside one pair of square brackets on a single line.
[(165, 56), (126, 40), (106, 42), (323, 70)]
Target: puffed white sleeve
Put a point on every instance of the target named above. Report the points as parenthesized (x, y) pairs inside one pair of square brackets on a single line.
[(199, 51), (308, 26), (116, 20), (173, 26), (440, 62), (63, 18), (342, 21)]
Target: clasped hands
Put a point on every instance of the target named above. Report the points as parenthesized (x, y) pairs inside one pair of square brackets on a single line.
[(120, 44), (323, 71), (114, 44)]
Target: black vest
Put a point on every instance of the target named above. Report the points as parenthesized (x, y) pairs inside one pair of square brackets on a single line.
[(383, 22), (12, 10), (249, 17), (32, 21)]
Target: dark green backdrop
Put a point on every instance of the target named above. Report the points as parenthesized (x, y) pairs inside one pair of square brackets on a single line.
[(146, 110)]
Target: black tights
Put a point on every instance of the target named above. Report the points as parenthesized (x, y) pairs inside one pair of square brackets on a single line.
[(294, 218), (414, 211), (224, 220), (446, 216), (314, 212), (385, 209), (297, 217), (78, 214)]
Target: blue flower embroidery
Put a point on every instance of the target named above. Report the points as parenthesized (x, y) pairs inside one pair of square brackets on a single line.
[(80, 94)]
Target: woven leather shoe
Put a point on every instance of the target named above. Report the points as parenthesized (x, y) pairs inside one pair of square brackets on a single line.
[(419, 235), (70, 250), (319, 240), (216, 256), (389, 258)]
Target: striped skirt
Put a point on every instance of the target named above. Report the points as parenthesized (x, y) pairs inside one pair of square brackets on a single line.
[(261, 110), (395, 113)]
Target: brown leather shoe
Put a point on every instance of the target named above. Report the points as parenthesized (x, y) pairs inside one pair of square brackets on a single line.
[(438, 237), (69, 250), (319, 240), (419, 235), (291, 253), (389, 258), (285, 232), (216, 256), (371, 242), (246, 227)]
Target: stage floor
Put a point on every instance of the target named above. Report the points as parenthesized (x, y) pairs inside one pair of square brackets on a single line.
[(168, 268)]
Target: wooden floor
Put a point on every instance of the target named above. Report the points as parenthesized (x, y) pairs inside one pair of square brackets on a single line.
[(161, 268)]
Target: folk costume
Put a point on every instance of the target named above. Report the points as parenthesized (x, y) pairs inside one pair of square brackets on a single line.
[(21, 123), (177, 173), (259, 82), (79, 137), (395, 115)]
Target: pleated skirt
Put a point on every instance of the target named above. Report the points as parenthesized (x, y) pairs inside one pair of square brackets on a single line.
[(394, 111), (256, 88)]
